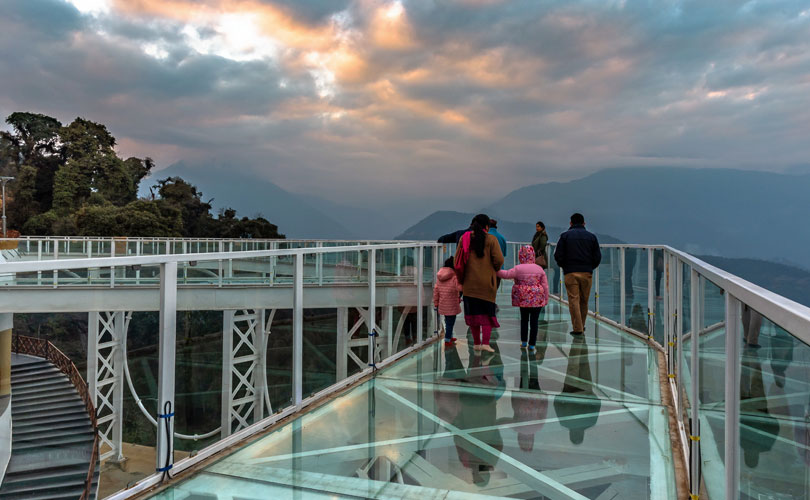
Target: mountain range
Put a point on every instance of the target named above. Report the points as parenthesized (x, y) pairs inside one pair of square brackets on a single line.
[(443, 222), (298, 216), (733, 213)]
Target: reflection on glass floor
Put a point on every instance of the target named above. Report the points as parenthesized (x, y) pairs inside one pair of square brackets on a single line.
[(580, 419)]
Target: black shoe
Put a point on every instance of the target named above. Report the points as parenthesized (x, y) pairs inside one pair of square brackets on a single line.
[(577, 333)]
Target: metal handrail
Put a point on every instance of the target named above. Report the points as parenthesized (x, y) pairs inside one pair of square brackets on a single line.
[(104, 262), (45, 349)]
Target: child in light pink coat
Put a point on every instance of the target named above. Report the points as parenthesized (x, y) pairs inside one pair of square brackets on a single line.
[(530, 293), (446, 298)]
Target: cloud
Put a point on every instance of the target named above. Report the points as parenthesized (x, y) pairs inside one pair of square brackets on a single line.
[(382, 99)]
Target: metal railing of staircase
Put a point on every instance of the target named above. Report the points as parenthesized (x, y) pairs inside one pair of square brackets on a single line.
[(44, 349)]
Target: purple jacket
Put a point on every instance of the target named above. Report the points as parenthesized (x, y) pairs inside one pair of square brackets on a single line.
[(531, 285)]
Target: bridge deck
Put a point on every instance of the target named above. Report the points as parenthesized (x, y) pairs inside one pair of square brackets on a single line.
[(580, 419)]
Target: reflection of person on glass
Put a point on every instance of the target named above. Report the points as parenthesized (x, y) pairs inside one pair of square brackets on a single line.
[(759, 429), (580, 412), (752, 323), (526, 404), (479, 409), (446, 397), (630, 257)]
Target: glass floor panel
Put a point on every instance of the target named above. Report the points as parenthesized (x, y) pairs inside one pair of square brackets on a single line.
[(580, 419)]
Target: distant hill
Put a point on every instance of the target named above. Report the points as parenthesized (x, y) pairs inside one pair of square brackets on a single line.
[(295, 215), (443, 222), (726, 212), (788, 281)]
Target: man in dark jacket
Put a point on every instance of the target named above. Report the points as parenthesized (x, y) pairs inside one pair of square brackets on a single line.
[(578, 255)]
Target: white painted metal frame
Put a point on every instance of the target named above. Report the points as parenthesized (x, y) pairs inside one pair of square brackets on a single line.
[(105, 378), (242, 380)]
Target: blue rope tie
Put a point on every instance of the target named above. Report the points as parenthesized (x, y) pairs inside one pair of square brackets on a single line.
[(167, 415)]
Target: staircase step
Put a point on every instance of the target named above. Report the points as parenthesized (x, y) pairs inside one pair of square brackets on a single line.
[(33, 366), (43, 393), (38, 375), (78, 469), (54, 442), (72, 492), (31, 401), (73, 424), (55, 409), (60, 386), (46, 437), (34, 384), (44, 479), (45, 418)]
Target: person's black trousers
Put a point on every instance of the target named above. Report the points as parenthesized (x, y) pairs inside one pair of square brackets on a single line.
[(528, 324)]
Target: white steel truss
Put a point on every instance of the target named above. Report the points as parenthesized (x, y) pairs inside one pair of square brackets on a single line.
[(105, 377), (244, 345)]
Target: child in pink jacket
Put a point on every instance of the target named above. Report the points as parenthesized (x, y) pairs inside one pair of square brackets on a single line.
[(446, 297), (530, 293)]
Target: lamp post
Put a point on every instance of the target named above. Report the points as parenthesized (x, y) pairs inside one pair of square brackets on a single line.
[(4, 180)]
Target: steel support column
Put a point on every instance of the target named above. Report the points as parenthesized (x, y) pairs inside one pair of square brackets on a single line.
[(342, 343), (242, 339), (650, 292), (105, 378), (622, 287), (298, 330), (371, 320), (694, 401), (420, 291), (164, 457), (732, 397)]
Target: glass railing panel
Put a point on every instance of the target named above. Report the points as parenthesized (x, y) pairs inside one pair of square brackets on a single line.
[(610, 284), (712, 359), (774, 411), (659, 283), (686, 339), (199, 365), (140, 378), (636, 287)]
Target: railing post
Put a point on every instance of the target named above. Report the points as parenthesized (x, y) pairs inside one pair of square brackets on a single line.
[(694, 423), (650, 292), (678, 331), (164, 457), (372, 308), (319, 264), (298, 329), (596, 291), (622, 286), (342, 343), (732, 397), (420, 264)]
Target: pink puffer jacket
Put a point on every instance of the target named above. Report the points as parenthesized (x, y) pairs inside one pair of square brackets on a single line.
[(446, 292), (531, 285)]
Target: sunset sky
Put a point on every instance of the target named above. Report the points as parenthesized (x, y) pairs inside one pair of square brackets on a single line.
[(444, 101)]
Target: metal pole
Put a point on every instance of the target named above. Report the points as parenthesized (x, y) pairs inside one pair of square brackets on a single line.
[(164, 458), (298, 329), (372, 307), (622, 287), (420, 264), (732, 427), (694, 452), (4, 180), (650, 292)]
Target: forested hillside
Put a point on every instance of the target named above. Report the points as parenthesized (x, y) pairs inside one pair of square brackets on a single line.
[(69, 180)]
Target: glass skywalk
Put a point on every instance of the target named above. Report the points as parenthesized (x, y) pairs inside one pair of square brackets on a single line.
[(580, 419)]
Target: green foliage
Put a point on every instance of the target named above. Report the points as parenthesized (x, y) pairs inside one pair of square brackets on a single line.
[(69, 180)]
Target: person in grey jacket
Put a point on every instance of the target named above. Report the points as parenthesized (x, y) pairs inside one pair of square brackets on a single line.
[(578, 255)]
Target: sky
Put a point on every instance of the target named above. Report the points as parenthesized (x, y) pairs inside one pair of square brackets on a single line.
[(442, 104)]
